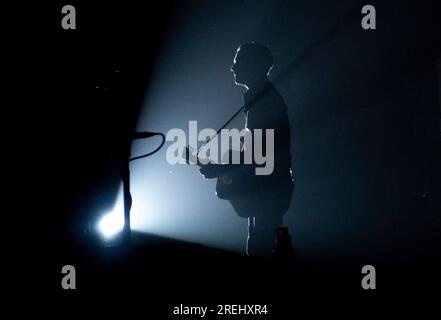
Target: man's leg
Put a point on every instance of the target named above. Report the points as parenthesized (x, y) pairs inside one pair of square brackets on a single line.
[(262, 234)]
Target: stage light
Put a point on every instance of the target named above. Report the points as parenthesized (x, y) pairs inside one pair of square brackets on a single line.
[(111, 223)]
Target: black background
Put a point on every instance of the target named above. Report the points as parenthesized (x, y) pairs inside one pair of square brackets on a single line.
[(89, 110)]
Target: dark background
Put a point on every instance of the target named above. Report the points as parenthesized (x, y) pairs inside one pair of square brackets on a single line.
[(366, 128)]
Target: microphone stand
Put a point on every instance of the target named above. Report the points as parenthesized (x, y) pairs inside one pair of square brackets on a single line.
[(125, 175)]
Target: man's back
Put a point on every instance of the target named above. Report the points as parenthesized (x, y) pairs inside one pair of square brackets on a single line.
[(266, 109), (268, 194)]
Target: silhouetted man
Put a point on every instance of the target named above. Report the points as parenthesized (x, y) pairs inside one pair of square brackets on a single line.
[(267, 197)]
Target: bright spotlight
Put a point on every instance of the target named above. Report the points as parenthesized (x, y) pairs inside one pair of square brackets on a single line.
[(111, 223)]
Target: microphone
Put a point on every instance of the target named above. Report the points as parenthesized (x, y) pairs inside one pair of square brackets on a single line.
[(144, 134)]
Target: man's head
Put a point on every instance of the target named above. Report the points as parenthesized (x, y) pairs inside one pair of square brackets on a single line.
[(252, 64)]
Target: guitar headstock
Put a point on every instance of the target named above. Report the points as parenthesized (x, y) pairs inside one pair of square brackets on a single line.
[(189, 155)]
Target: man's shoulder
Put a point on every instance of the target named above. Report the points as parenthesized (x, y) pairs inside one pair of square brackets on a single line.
[(268, 97), (275, 100), (275, 94)]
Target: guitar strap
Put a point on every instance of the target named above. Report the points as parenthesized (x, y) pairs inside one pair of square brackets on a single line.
[(220, 129), (246, 107)]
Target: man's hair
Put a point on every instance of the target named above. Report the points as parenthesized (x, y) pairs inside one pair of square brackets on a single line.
[(258, 54)]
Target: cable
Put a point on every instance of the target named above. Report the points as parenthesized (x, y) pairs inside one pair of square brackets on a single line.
[(154, 151)]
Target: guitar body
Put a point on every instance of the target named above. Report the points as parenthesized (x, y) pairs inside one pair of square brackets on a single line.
[(252, 195)]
